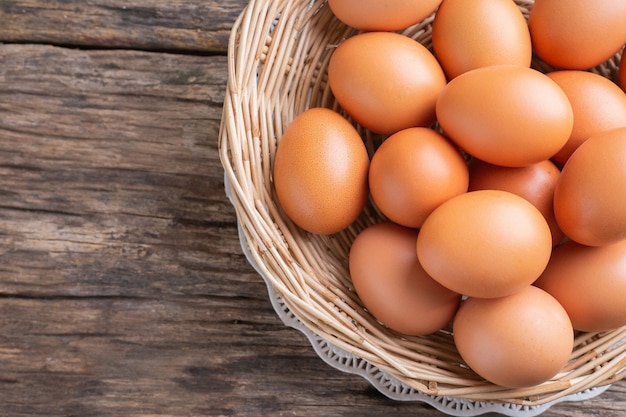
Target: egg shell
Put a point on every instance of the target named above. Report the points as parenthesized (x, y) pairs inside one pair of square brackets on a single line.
[(590, 283), (393, 286), (506, 115), (413, 172), (517, 341), (577, 34), (376, 15), (534, 182), (320, 171), (473, 34), (486, 243), (386, 81), (590, 195), (597, 102)]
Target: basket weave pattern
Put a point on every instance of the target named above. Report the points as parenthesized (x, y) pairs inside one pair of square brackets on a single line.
[(278, 55)]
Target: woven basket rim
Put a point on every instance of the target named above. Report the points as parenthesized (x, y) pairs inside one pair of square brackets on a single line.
[(276, 69)]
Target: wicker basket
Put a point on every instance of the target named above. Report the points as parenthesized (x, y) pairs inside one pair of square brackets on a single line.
[(278, 54)]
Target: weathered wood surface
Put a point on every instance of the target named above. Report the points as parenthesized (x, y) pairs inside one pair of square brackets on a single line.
[(123, 289), (183, 25)]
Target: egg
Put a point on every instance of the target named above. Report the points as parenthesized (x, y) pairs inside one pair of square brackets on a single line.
[(534, 182), (393, 286), (376, 15), (472, 34), (577, 34), (386, 81), (516, 341), (590, 195), (413, 172), (597, 102), (320, 171), (505, 114), (486, 243), (590, 283)]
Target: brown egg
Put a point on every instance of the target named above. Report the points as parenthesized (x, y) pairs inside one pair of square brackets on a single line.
[(393, 286), (478, 33), (486, 243), (413, 172), (376, 15), (516, 341), (597, 102), (386, 81), (506, 115), (590, 283), (320, 171), (577, 34), (590, 195), (534, 182)]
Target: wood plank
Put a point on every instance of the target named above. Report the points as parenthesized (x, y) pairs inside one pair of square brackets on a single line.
[(105, 156), (182, 25), (123, 289), (182, 356)]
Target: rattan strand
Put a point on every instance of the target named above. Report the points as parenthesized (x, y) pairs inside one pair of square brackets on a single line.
[(278, 54)]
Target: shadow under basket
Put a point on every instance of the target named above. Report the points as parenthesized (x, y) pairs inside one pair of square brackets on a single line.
[(277, 60)]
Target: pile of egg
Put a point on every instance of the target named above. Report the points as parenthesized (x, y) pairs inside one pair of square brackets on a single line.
[(523, 245)]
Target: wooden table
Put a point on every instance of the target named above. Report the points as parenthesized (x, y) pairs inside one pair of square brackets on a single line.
[(123, 287)]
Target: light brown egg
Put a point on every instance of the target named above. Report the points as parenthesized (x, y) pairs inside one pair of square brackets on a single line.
[(413, 172), (386, 81), (577, 34), (590, 195), (597, 102), (516, 341), (486, 243), (505, 114), (478, 33), (392, 284), (388, 15), (320, 171), (590, 283)]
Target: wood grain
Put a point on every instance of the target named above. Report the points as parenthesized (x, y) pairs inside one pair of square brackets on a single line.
[(123, 288), (182, 25)]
